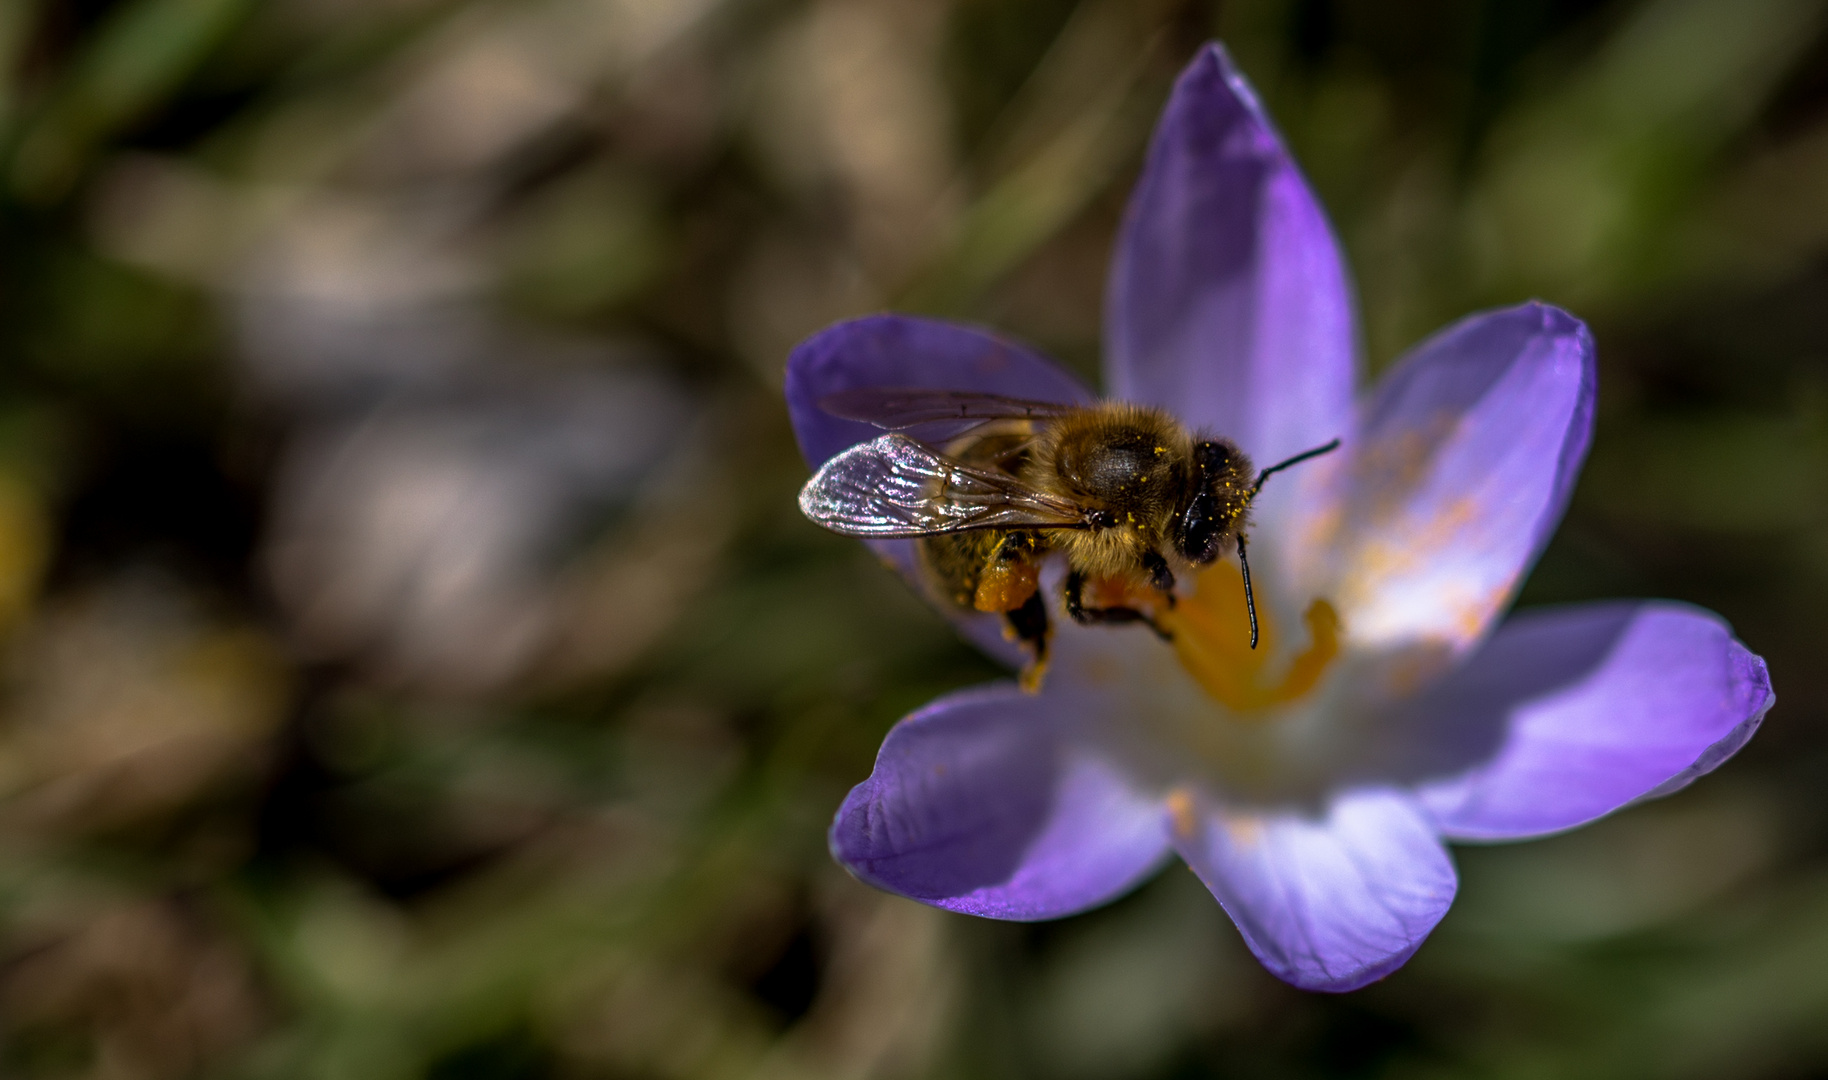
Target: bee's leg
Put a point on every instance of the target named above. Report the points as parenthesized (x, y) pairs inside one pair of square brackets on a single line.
[(1160, 576), (1029, 624), (1009, 583), (1075, 597), (1009, 576), (1090, 616)]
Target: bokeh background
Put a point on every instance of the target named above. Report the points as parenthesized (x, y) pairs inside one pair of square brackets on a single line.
[(414, 664)]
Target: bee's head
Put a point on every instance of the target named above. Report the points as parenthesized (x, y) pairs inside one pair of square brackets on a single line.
[(1218, 497)]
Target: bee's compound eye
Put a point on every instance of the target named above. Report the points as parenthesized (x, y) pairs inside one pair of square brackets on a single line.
[(1202, 527), (1218, 503)]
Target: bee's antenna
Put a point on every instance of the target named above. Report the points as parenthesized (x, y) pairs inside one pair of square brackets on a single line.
[(1250, 600), (1296, 460)]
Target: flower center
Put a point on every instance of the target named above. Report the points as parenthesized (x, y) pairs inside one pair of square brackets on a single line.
[(1212, 638)]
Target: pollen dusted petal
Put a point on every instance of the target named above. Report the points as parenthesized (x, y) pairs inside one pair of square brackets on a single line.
[(1467, 453)]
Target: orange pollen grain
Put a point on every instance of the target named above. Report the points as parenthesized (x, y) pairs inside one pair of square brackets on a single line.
[(1006, 586), (1181, 813), (1212, 638)]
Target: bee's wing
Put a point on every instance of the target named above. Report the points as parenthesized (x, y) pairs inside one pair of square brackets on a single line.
[(896, 487), (899, 408)]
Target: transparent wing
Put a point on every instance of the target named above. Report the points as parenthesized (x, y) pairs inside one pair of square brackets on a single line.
[(899, 408), (896, 487)]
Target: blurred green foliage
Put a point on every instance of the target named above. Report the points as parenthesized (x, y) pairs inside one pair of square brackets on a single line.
[(272, 805)]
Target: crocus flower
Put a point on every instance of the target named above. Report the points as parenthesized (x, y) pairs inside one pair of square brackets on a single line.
[(1310, 783)]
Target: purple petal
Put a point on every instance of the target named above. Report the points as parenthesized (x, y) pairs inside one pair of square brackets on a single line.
[(1467, 453), (1229, 302), (1573, 713), (1327, 902), (984, 803), (902, 351)]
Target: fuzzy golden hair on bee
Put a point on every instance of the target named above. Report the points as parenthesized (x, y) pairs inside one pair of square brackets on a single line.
[(1127, 462), (1115, 455)]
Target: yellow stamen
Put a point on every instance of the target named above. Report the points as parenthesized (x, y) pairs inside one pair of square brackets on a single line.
[(1212, 638)]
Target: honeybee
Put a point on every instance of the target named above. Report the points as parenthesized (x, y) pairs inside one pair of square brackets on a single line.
[(1124, 492)]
